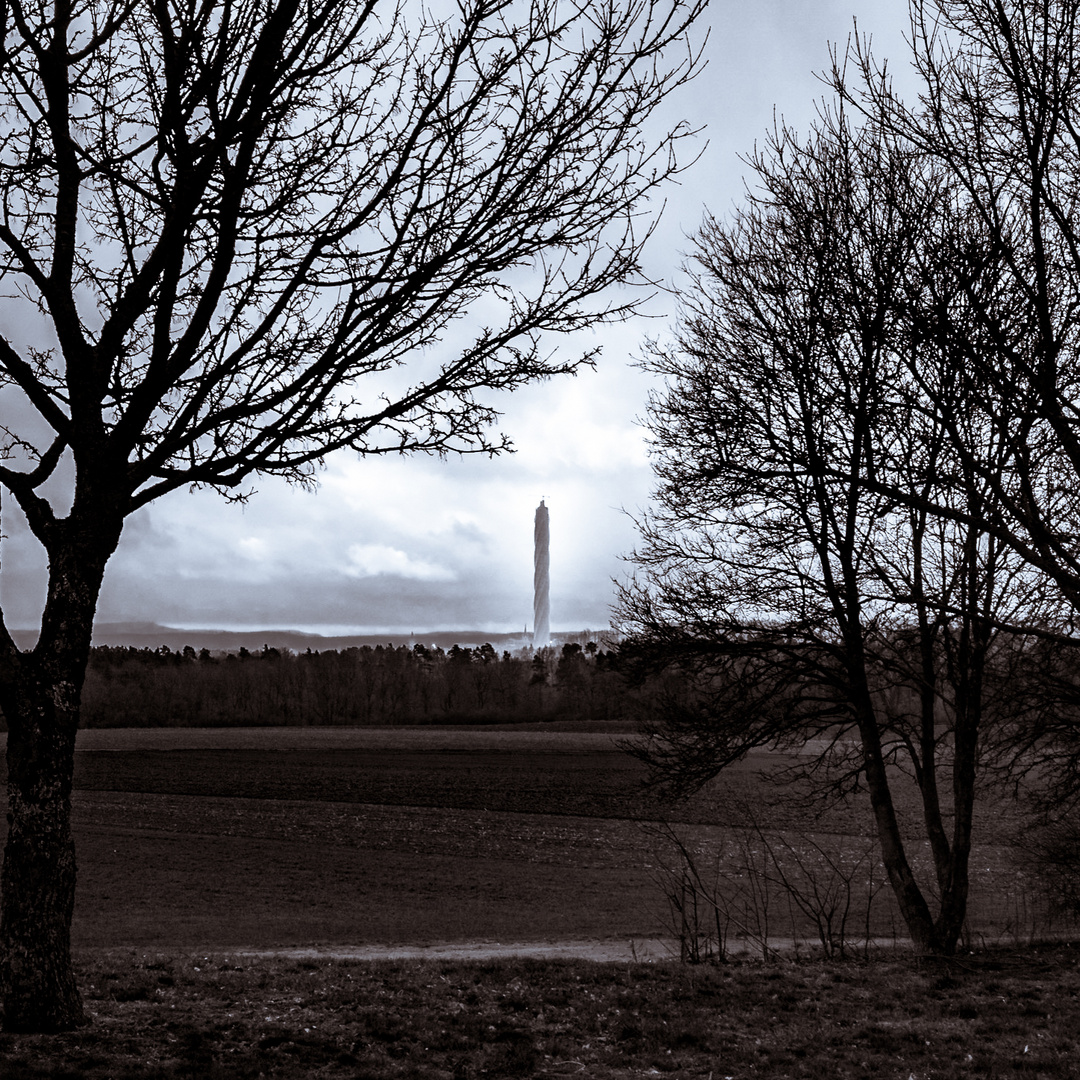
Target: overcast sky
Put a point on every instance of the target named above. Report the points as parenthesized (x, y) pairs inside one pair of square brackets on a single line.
[(422, 544)]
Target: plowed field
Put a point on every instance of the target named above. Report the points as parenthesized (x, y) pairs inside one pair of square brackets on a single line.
[(290, 837), (295, 838)]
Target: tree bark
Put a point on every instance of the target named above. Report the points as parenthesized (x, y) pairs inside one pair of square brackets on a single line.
[(40, 693), (37, 883), (909, 897)]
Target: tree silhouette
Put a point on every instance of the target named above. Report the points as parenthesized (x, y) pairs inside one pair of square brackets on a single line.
[(998, 113), (233, 238), (777, 571), (999, 116)]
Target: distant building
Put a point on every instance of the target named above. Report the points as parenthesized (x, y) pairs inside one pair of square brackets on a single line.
[(541, 583)]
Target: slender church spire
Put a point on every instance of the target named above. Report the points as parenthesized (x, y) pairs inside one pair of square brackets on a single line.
[(541, 602)]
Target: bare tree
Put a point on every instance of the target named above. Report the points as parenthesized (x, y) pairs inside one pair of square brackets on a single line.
[(998, 112), (778, 570), (999, 115), (232, 238)]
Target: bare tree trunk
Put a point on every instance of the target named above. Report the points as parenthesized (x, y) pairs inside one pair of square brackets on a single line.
[(909, 897), (40, 693), (37, 884), (954, 895)]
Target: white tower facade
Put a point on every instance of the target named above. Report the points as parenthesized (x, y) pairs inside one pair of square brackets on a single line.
[(541, 584)]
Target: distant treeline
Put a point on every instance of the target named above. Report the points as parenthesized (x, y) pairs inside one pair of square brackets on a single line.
[(129, 687)]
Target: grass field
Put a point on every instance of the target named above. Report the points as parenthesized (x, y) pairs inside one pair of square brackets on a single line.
[(211, 1015), (202, 853)]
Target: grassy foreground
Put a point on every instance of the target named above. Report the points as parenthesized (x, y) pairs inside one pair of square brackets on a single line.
[(999, 1014)]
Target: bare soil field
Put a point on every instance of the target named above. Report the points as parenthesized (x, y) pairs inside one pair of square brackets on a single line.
[(280, 838), (588, 783), (567, 736), (164, 870), (350, 837)]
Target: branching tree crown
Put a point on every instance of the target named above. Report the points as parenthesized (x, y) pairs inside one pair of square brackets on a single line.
[(999, 115), (219, 218)]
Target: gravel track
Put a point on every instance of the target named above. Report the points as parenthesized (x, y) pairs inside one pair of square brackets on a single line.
[(647, 949)]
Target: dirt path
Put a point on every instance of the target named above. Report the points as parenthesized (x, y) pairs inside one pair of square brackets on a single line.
[(647, 949)]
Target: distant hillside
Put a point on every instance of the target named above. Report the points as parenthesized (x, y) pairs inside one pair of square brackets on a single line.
[(153, 636)]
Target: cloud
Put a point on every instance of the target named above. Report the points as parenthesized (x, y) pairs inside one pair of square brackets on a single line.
[(373, 560), (254, 548)]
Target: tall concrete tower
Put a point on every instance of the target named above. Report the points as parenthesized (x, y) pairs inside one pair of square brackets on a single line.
[(541, 600)]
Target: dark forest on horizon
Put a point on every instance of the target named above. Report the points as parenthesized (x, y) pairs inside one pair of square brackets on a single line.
[(384, 685)]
